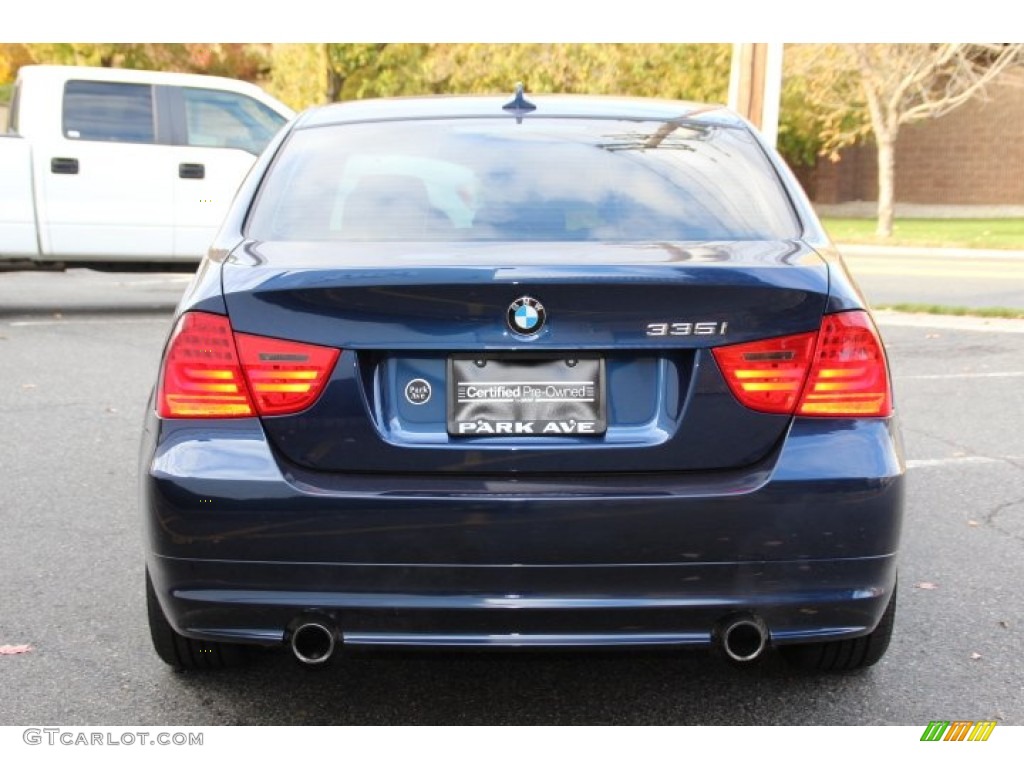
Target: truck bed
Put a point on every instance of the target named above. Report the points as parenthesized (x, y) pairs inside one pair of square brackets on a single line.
[(18, 237)]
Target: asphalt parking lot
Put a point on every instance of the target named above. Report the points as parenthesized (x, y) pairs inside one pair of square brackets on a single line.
[(73, 385)]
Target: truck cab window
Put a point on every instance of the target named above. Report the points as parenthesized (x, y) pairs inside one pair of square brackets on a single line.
[(223, 119), (96, 111)]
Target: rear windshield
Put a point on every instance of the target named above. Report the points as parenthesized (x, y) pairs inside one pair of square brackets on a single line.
[(544, 179)]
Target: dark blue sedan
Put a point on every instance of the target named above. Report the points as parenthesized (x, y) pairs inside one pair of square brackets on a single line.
[(560, 372)]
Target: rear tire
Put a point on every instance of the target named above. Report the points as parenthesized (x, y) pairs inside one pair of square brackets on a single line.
[(845, 655), (184, 653)]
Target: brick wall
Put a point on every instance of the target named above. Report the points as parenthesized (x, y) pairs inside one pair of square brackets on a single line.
[(972, 156)]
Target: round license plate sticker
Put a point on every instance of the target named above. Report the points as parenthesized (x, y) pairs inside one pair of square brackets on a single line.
[(418, 391)]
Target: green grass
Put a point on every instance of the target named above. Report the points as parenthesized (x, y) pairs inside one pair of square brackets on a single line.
[(933, 233), (942, 309), (5, 92)]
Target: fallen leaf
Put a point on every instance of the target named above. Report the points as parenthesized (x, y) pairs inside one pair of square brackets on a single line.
[(28, 386), (975, 656), (926, 585), (111, 410), (10, 650), (1004, 624), (973, 523)]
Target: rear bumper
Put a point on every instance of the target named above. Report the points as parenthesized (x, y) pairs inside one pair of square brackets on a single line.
[(240, 545), (539, 606)]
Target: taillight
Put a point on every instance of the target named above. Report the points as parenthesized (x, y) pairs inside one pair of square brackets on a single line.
[(201, 376), (849, 375), (839, 371), (768, 375), (210, 372), (284, 376)]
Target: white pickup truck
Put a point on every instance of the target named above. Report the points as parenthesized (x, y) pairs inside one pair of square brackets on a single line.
[(115, 166)]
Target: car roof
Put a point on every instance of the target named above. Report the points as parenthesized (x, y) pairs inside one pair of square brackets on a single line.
[(563, 106)]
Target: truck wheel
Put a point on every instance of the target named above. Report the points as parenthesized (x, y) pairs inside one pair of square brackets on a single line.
[(845, 655), (184, 653)]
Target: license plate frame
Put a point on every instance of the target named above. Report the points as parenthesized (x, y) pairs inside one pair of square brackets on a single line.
[(536, 395)]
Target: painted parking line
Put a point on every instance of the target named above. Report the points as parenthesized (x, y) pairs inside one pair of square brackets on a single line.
[(959, 460), (985, 375), (175, 279)]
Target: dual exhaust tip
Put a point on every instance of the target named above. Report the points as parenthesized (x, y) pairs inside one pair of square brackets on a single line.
[(742, 638)]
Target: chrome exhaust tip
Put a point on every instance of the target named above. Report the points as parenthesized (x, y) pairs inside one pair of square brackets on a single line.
[(743, 638), (313, 642)]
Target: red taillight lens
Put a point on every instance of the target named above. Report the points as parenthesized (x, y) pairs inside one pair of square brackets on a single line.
[(201, 377), (210, 372), (768, 375), (839, 371), (849, 375), (284, 376)]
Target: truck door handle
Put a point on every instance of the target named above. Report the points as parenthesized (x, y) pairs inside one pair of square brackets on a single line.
[(191, 171), (67, 165)]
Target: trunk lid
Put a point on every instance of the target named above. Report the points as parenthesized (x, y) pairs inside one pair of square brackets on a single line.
[(636, 320)]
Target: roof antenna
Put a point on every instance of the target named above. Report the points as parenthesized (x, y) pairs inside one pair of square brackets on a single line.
[(519, 106)]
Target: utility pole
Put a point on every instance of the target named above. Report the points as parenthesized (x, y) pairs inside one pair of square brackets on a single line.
[(755, 85)]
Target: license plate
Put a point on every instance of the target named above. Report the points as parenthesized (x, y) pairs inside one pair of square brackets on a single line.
[(525, 397)]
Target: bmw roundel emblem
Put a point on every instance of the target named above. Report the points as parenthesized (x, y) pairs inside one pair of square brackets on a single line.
[(526, 316)]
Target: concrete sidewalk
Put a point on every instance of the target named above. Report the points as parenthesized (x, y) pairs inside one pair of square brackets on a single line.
[(994, 254), (867, 209)]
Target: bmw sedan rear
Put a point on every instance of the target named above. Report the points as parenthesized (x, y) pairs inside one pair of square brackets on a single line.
[(577, 372)]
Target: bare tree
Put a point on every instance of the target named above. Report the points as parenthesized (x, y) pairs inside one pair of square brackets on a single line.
[(905, 83), (847, 91)]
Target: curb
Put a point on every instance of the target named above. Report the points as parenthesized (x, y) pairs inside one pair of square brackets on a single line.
[(55, 311)]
